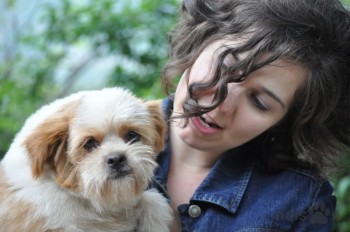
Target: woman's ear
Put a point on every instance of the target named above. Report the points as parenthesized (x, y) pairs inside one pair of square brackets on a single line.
[(159, 123), (49, 139)]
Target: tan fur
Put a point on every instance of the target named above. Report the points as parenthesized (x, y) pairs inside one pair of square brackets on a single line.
[(24, 210), (48, 138), (82, 192), (159, 123)]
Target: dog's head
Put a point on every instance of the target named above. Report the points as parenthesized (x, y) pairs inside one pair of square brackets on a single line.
[(101, 147)]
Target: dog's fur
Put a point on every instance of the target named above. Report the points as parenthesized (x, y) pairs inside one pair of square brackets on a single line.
[(82, 163)]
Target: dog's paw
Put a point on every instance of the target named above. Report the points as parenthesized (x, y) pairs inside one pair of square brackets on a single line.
[(156, 213)]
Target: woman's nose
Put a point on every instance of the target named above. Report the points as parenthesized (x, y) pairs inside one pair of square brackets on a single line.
[(234, 94)]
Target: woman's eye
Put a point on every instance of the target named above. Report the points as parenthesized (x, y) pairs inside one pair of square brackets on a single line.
[(132, 137), (91, 144), (258, 103)]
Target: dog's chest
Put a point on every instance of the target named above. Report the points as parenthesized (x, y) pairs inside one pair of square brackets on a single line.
[(85, 220)]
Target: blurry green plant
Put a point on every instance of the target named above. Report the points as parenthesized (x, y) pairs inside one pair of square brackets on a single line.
[(342, 187), (341, 181), (342, 191), (133, 31)]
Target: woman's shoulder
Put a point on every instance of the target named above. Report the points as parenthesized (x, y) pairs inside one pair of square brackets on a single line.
[(291, 195), (302, 190), (293, 174), (284, 175)]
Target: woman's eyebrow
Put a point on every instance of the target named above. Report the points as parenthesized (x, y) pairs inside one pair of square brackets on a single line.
[(273, 95)]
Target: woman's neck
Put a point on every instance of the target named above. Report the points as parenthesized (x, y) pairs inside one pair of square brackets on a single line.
[(188, 168), (189, 157)]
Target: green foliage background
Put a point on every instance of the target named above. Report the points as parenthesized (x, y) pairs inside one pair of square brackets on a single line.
[(133, 30)]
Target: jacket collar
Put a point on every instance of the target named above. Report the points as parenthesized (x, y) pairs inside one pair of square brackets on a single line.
[(227, 182)]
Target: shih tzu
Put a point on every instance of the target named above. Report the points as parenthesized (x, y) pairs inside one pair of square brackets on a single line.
[(83, 163)]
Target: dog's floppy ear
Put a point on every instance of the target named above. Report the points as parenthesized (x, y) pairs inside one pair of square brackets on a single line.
[(159, 122), (48, 141)]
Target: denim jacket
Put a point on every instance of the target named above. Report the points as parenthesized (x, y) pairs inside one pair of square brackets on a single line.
[(239, 194)]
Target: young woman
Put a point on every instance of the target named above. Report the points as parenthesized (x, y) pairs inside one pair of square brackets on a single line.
[(259, 114)]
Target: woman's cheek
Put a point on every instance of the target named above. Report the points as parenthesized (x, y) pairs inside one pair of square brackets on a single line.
[(181, 93)]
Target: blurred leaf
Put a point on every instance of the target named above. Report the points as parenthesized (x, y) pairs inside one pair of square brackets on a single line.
[(133, 32)]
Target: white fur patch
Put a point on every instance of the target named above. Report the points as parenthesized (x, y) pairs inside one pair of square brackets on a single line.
[(99, 203)]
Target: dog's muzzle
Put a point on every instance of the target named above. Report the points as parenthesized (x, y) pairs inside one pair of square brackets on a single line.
[(118, 165)]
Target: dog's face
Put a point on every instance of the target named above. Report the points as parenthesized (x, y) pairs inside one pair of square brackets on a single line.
[(101, 147)]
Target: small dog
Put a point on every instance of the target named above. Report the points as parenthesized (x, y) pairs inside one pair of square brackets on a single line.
[(83, 163)]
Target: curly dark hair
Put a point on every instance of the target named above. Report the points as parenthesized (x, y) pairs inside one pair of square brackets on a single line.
[(314, 34)]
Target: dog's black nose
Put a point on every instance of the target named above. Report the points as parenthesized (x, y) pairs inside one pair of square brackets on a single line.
[(116, 161)]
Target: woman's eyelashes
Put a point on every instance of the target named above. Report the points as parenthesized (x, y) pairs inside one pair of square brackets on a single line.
[(257, 102)]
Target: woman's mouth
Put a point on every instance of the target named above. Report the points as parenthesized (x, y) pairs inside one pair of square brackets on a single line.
[(204, 126), (207, 124)]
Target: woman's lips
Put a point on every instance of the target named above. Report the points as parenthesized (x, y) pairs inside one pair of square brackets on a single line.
[(205, 127)]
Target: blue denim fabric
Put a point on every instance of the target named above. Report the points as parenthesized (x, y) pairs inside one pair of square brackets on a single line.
[(240, 194)]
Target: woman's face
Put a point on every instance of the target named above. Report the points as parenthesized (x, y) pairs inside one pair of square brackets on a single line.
[(250, 108)]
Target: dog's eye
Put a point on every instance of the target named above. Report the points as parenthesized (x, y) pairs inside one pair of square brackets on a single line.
[(91, 143), (132, 137)]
